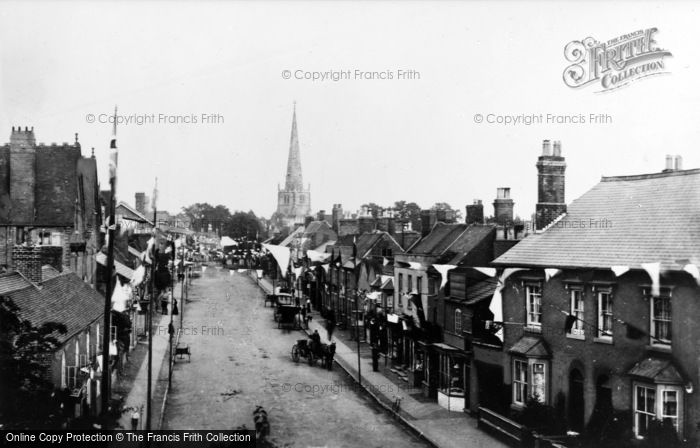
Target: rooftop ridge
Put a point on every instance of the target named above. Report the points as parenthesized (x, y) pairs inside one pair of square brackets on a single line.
[(650, 175)]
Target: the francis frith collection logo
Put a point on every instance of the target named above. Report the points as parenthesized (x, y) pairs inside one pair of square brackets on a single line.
[(615, 63)]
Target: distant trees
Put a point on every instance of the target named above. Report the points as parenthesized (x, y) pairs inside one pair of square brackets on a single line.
[(235, 225)]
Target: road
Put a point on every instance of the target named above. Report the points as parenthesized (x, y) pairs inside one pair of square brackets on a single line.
[(240, 360)]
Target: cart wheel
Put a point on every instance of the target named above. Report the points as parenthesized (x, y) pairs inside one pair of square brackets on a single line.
[(295, 353), (312, 361)]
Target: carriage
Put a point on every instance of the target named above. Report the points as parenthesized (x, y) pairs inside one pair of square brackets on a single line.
[(303, 349), (288, 315)]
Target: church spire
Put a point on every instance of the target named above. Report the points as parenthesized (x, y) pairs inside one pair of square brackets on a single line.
[(294, 179)]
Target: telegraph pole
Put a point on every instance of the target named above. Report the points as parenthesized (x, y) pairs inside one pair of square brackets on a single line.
[(150, 313)]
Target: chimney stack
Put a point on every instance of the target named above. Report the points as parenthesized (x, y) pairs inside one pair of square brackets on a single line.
[(475, 212), (503, 206), (551, 181), (140, 202), (27, 261), (336, 216), (308, 220), (321, 215), (427, 221)]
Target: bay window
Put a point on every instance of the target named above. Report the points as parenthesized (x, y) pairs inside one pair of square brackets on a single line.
[(656, 402), (519, 382)]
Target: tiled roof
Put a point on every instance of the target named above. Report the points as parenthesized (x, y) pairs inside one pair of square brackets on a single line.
[(65, 299), (12, 281), (657, 370), (365, 242), (133, 213), (316, 226), (48, 272), (439, 239), (451, 242), (649, 218)]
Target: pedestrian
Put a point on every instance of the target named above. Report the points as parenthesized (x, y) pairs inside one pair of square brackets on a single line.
[(164, 305), (330, 325), (135, 420), (308, 306)]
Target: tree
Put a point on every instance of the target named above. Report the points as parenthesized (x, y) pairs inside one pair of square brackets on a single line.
[(204, 214), (25, 393), (243, 224), (448, 207), (408, 212)]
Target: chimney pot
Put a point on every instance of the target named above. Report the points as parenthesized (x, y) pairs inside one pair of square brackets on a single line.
[(679, 163), (546, 148), (557, 148), (669, 162)]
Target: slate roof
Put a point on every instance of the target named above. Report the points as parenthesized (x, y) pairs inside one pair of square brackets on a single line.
[(65, 299), (316, 226), (531, 347), (650, 218), (660, 371), (451, 242), (48, 272)]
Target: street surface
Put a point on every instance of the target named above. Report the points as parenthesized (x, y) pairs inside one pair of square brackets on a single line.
[(241, 360)]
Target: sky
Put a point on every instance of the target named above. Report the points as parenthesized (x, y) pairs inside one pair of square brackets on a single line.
[(64, 66)]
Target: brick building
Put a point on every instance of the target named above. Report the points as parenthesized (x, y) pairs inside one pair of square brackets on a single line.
[(600, 320), (49, 196)]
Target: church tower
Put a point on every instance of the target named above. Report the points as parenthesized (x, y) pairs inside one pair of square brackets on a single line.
[(294, 202)]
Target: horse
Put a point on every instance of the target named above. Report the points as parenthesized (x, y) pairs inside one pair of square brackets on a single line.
[(328, 351)]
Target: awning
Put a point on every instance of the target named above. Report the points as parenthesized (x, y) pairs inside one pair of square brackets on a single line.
[(657, 370), (388, 284), (531, 347)]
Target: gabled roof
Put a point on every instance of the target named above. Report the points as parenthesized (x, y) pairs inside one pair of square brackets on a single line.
[(451, 242), (64, 299), (480, 291), (288, 240), (316, 226), (622, 221)]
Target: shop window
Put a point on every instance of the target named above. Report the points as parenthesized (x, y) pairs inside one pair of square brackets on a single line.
[(451, 373)]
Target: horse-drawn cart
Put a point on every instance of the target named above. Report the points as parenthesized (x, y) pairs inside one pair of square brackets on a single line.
[(305, 349)]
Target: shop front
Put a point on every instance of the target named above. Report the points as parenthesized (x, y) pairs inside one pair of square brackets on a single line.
[(453, 377)]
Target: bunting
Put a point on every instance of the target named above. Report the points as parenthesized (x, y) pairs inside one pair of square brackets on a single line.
[(496, 306), (491, 272), (653, 270), (550, 272), (120, 297), (281, 255), (326, 267), (138, 276), (443, 269), (693, 270), (619, 270), (385, 261), (317, 257)]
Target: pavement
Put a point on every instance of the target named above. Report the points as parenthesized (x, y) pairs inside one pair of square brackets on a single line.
[(135, 379), (430, 421)]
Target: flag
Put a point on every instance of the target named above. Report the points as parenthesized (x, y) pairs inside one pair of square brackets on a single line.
[(635, 332), (569, 323), (619, 270), (113, 153), (385, 261)]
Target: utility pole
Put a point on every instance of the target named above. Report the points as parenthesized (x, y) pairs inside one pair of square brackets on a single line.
[(105, 389), (171, 328), (150, 315)]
